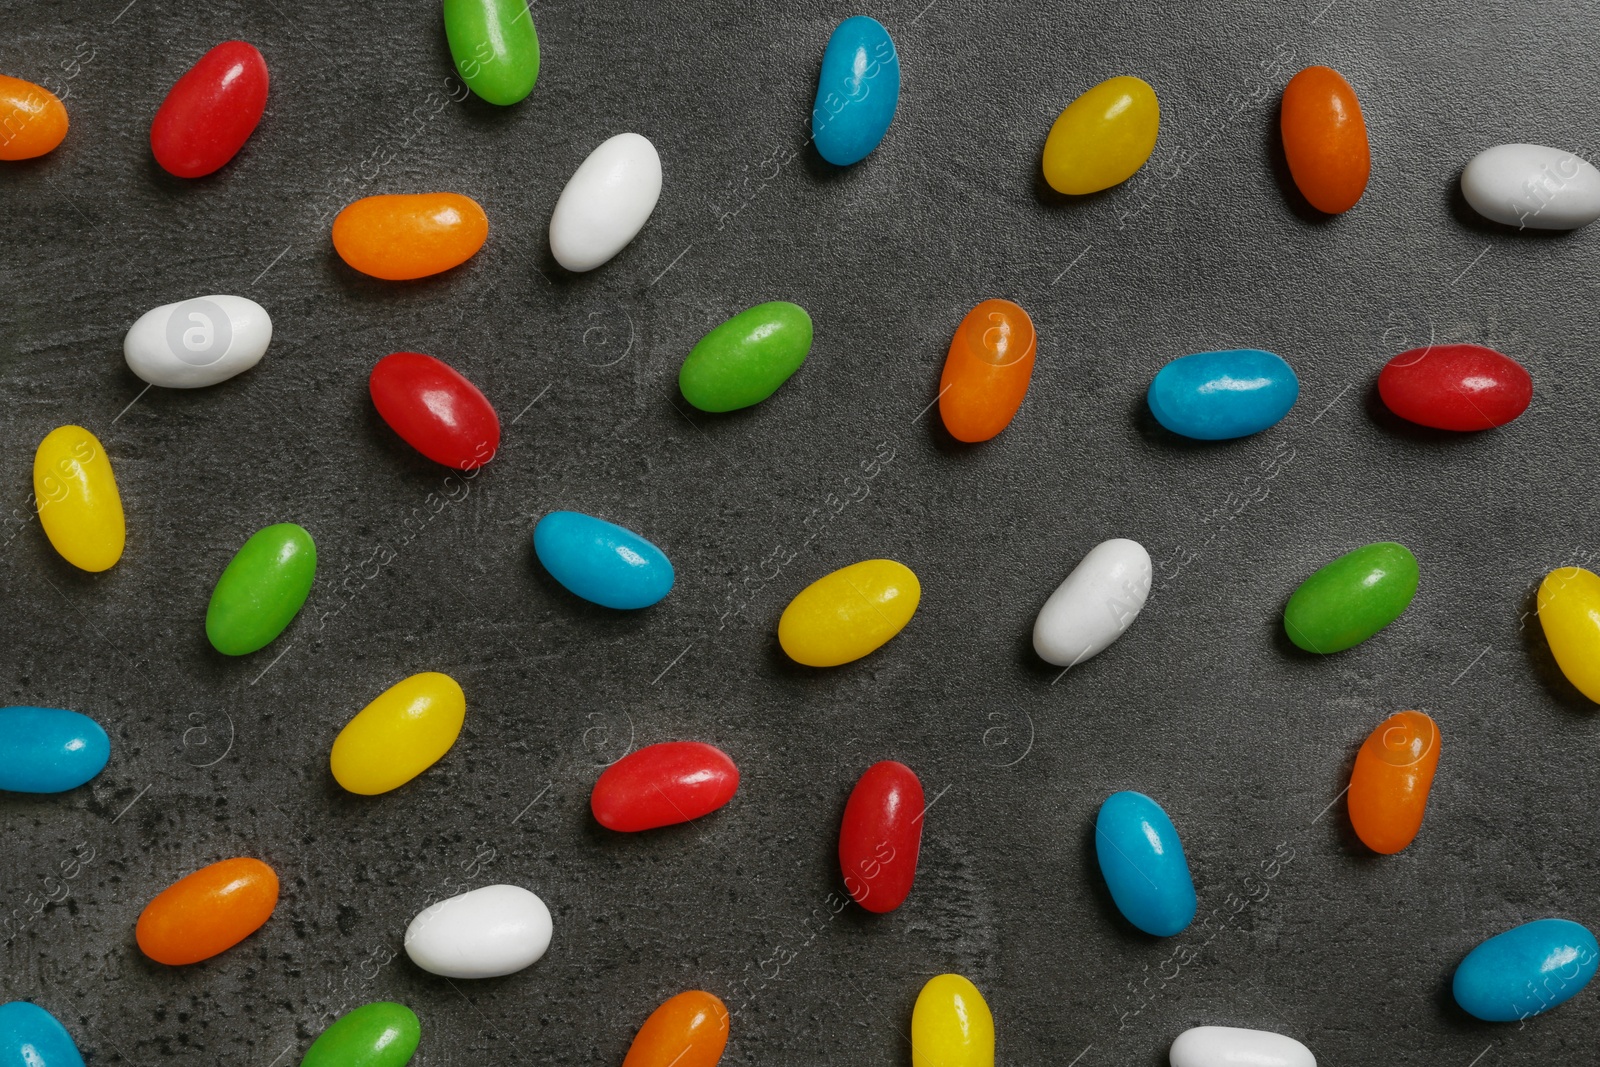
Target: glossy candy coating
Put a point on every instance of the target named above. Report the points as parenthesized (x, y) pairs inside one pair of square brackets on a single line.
[(1103, 137), (208, 911), (33, 120), (1525, 971), (1389, 786), (381, 1034), (399, 237), (1352, 598), (1532, 186), (79, 506), (1569, 614), (1217, 396), (1455, 387), (261, 590), (489, 932), (602, 562), (663, 784), (49, 750), (687, 1030), (857, 91), (405, 730), (495, 47), (606, 202), (1325, 139), (1095, 604), (881, 836), (435, 410), (850, 613), (197, 342), (1143, 863), (211, 111), (951, 1025), (987, 371), (32, 1037), (1232, 1046), (745, 359)]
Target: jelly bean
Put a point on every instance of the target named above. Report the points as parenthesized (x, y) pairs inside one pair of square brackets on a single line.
[(987, 372), (489, 932), (435, 410), (1352, 598), (847, 614), (745, 359), (382, 1034), (1095, 604), (403, 236), (1232, 1046), (1526, 971), (1216, 396), (602, 562), (261, 590), (495, 47), (32, 1037), (1455, 387), (687, 1030), (857, 91), (197, 342), (951, 1025), (207, 912), (79, 506), (1102, 137), (1530, 186), (663, 784), (1569, 614), (881, 836), (1325, 139), (33, 120), (1143, 863), (49, 750), (606, 202), (211, 111), (1390, 783), (404, 731)]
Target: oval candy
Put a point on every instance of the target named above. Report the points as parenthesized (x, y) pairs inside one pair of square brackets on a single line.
[(850, 613), (882, 835), (489, 932), (687, 1030), (1569, 613), (745, 359), (197, 342), (987, 371), (602, 562), (1393, 774), (951, 1025), (1526, 971), (1217, 396), (435, 410), (494, 46), (1352, 598), (1325, 139), (1532, 186), (49, 750), (1233, 1046), (1143, 863), (32, 1037), (1103, 137), (381, 1034), (403, 236), (261, 589), (662, 785), (405, 730), (79, 506), (1455, 387), (1095, 604), (207, 912), (857, 91), (211, 111), (34, 119), (606, 202)]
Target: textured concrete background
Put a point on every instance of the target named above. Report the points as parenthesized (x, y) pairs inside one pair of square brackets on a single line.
[(1203, 704)]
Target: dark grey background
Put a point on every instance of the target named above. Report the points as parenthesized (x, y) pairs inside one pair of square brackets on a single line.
[(1203, 704)]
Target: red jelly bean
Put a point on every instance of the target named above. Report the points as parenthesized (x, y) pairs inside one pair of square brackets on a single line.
[(1455, 387), (663, 784), (211, 111), (437, 411), (881, 836)]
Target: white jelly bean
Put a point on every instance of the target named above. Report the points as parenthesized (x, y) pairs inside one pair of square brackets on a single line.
[(198, 342), (1231, 1046), (496, 930), (1530, 185), (1097, 602), (606, 202)]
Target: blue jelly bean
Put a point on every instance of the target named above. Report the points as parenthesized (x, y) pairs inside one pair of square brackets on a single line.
[(1526, 970), (1143, 864), (31, 1037), (857, 93), (1214, 396), (49, 750), (600, 561)]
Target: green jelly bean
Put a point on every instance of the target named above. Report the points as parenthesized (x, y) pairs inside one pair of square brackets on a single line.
[(382, 1034), (495, 47), (261, 590), (743, 361), (1352, 598)]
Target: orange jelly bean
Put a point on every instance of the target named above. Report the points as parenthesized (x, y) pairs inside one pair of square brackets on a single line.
[(688, 1030), (1325, 139), (1393, 773), (987, 372), (409, 236), (33, 120), (207, 912)]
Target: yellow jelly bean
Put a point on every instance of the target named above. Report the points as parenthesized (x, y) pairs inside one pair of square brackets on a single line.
[(406, 730), (951, 1025), (78, 503), (845, 615), (1102, 137), (1569, 611)]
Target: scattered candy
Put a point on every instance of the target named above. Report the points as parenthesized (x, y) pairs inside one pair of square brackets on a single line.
[(404, 731), (602, 562), (1143, 864), (399, 237), (207, 912), (1390, 783), (987, 372), (33, 120), (857, 92), (1532, 186), (1455, 387), (845, 615), (1095, 604), (49, 750), (881, 836), (197, 342), (745, 359), (1352, 598), (951, 1025), (1216, 396), (1325, 139), (688, 1030), (211, 111), (1231, 1046), (495, 47), (1569, 613), (79, 506), (606, 202), (1102, 137), (489, 932), (31, 1037), (435, 410), (662, 785), (261, 590), (382, 1034), (1526, 971)]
